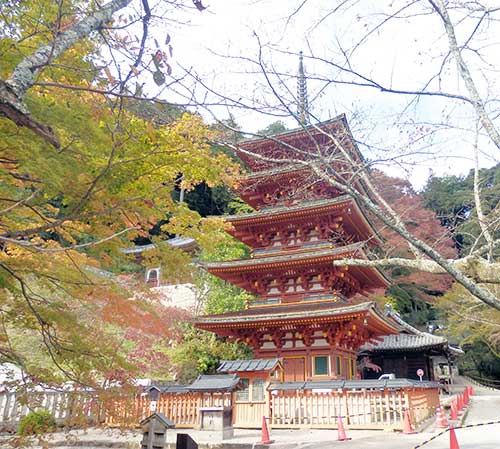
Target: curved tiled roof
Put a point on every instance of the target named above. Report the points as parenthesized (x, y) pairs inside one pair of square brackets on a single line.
[(274, 171), (248, 365), (290, 257), (352, 384), (412, 339), (303, 206), (341, 118), (405, 342), (288, 312), (215, 382)]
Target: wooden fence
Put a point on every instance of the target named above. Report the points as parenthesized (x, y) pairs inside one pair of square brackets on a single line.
[(359, 408), (182, 408), (72, 408), (362, 409)]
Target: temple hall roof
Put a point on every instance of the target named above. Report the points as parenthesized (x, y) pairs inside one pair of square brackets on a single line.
[(411, 338), (323, 385), (175, 242), (405, 342)]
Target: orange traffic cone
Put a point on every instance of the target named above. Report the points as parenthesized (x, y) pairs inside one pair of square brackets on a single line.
[(441, 421), (407, 427), (453, 439), (466, 396), (460, 403), (471, 390), (342, 435), (265, 439), (454, 410)]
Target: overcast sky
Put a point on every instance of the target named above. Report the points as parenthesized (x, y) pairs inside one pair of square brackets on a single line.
[(404, 54)]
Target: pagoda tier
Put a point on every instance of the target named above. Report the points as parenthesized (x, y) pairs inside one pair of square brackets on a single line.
[(301, 332), (339, 221), (323, 139), (286, 185), (301, 275)]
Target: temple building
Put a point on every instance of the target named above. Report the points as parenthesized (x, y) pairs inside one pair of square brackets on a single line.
[(405, 354)]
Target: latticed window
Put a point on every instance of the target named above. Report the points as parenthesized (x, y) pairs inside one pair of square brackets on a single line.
[(258, 390), (244, 393)]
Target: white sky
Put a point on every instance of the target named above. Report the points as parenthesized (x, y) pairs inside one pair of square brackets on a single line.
[(403, 54)]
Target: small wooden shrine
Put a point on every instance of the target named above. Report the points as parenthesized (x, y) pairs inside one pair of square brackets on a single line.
[(309, 313)]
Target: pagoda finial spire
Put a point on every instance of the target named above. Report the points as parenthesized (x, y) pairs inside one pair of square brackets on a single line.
[(303, 106)]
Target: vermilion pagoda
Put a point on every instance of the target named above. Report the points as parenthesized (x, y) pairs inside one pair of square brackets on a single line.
[(313, 315)]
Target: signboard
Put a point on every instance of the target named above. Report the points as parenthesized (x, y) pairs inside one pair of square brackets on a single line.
[(420, 373), (152, 406)]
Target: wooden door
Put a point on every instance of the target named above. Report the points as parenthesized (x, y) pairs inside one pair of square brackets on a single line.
[(250, 404), (294, 369)]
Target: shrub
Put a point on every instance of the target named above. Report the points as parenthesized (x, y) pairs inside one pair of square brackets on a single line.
[(36, 422)]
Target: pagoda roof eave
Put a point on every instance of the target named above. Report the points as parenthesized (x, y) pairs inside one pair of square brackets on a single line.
[(299, 314), (281, 170), (341, 118), (296, 256), (293, 259), (274, 213)]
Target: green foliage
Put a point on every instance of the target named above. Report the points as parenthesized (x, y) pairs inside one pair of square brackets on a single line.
[(200, 352), (217, 200), (452, 198), (219, 296), (276, 127), (449, 196), (480, 361), (68, 212), (405, 300), (36, 423), (475, 326), (229, 129)]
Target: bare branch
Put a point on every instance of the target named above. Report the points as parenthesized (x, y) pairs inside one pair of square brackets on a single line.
[(465, 73)]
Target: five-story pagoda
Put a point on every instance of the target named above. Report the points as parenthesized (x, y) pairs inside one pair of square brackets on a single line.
[(309, 313)]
